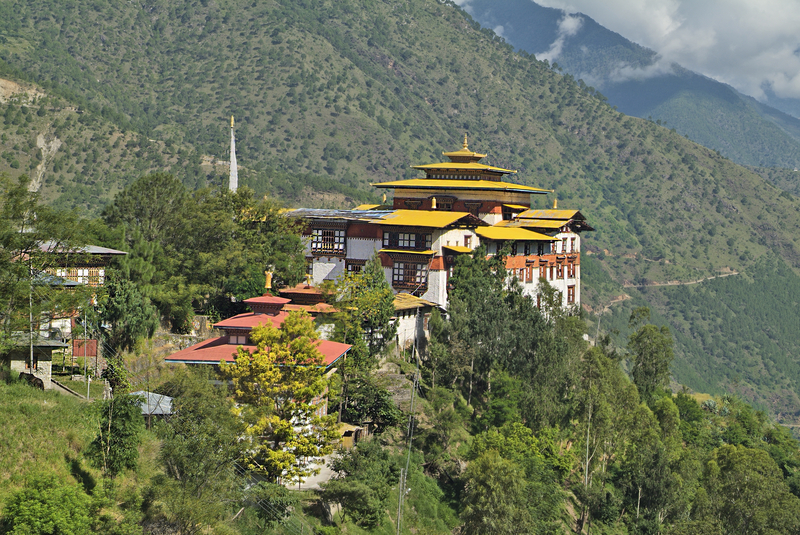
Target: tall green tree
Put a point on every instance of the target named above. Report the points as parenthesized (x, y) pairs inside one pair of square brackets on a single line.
[(129, 313), (651, 348), (115, 448), (367, 303), (495, 501), (199, 446)]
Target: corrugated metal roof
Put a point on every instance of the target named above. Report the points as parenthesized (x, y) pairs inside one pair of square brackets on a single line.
[(511, 233), (406, 301), (350, 215), (455, 184), (428, 218), (154, 404)]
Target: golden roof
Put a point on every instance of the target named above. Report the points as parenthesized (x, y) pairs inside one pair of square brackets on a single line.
[(534, 223), (551, 214), (457, 248), (367, 206), (464, 152), (406, 301), (444, 184), (511, 233), (427, 218), (462, 166)]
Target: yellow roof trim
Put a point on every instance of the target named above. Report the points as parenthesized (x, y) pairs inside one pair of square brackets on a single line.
[(367, 206), (444, 184), (407, 251), (426, 218), (511, 233), (457, 248), (462, 166), (517, 207)]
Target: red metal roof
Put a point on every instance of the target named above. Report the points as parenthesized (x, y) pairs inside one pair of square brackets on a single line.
[(267, 299), (251, 319), (213, 350)]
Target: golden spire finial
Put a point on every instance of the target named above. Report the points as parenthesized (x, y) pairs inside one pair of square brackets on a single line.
[(555, 203), (433, 203), (384, 198), (465, 142), (231, 121)]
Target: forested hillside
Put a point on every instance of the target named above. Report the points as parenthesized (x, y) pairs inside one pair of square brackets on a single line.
[(631, 76), (333, 95)]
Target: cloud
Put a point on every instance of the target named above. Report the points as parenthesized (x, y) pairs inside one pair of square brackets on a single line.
[(567, 27), (749, 44)]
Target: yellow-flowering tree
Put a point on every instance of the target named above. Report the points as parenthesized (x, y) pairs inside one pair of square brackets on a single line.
[(275, 388)]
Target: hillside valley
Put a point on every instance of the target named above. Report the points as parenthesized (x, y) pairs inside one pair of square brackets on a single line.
[(332, 96), (636, 80)]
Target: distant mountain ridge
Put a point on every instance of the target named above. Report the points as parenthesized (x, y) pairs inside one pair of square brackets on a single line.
[(709, 112)]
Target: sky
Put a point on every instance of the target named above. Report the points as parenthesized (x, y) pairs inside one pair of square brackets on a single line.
[(749, 44)]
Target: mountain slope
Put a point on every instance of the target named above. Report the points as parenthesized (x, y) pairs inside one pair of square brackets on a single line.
[(345, 93), (709, 112)]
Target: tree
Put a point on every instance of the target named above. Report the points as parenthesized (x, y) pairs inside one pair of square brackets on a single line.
[(199, 446), (115, 448), (744, 490), (367, 301), (276, 388), (48, 505), (495, 502), (130, 315), (365, 476), (651, 347), (154, 205)]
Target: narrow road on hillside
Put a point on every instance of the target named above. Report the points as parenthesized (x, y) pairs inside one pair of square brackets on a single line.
[(677, 283)]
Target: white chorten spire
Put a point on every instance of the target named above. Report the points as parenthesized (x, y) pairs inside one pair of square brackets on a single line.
[(233, 179)]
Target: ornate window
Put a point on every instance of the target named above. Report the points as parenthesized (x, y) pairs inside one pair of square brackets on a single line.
[(410, 275), (328, 241), (407, 240), (354, 266), (570, 294)]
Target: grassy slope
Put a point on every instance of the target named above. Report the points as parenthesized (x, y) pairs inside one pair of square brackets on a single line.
[(350, 91)]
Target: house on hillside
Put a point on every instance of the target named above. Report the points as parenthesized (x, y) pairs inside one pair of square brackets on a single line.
[(66, 270), (458, 206)]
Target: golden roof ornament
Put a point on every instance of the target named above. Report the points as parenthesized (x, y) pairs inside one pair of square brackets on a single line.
[(384, 198), (231, 121), (465, 142), (433, 203), (555, 203)]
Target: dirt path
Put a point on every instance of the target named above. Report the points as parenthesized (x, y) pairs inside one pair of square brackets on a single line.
[(678, 283)]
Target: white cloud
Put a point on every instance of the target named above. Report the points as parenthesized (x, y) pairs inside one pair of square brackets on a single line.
[(745, 43), (567, 27)]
